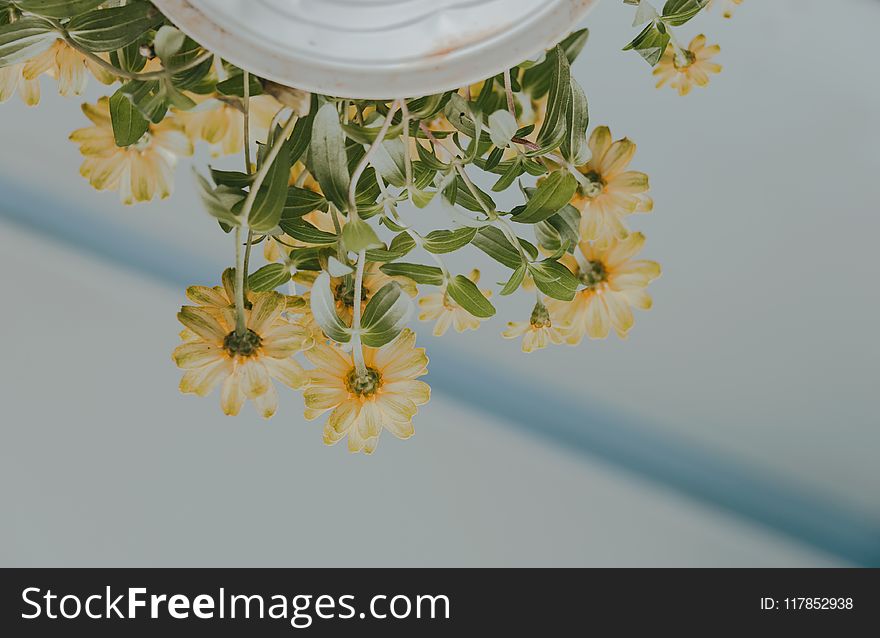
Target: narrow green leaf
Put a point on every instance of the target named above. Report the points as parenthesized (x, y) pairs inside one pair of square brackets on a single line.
[(554, 279), (577, 118), (302, 201), (468, 296), (651, 42), (419, 273), (213, 203), (328, 158), (272, 196), (386, 315), (234, 86), (447, 241), (269, 278), (493, 242), (303, 231), (515, 280), (554, 192), (57, 8), (103, 30), (323, 305), (24, 39), (553, 131), (400, 247), (129, 125), (678, 12)]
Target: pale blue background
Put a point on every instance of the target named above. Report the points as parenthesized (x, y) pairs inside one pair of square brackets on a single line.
[(738, 425)]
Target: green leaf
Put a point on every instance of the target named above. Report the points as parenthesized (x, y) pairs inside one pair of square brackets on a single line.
[(385, 316), (562, 229), (269, 278), (537, 80), (554, 192), (213, 203), (301, 138), (390, 160), (234, 86), (303, 231), (328, 158), (553, 131), (515, 280), (24, 39), (677, 12), (358, 235), (419, 273), (464, 197), (493, 242), (57, 8), (577, 118), (514, 170), (272, 196), (129, 125), (447, 241), (302, 201), (468, 296), (323, 305), (103, 30), (234, 179), (401, 246), (650, 43), (554, 279)]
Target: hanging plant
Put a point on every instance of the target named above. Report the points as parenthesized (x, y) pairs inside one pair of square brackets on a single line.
[(328, 186)]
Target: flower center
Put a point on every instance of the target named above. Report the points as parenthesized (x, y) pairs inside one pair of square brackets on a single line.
[(540, 317), (245, 345), (593, 186), (683, 59), (594, 275), (365, 385), (344, 294)]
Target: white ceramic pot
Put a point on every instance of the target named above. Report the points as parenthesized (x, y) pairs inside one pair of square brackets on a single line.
[(376, 48)]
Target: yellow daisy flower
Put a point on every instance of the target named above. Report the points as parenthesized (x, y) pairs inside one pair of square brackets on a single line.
[(610, 192), (67, 65), (387, 397), (12, 80), (139, 172), (682, 70), (537, 332), (212, 352), (614, 283), (220, 122), (441, 307)]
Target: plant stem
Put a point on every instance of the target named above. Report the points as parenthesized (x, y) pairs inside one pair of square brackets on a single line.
[(130, 75), (508, 89), (266, 167), (356, 347), (240, 323), (365, 160), (247, 168)]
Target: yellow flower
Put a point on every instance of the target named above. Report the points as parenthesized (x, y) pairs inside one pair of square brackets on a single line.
[(212, 352), (537, 332), (220, 122), (729, 6), (441, 307), (687, 67), (610, 192), (614, 283), (139, 172), (67, 65), (12, 81), (387, 397)]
